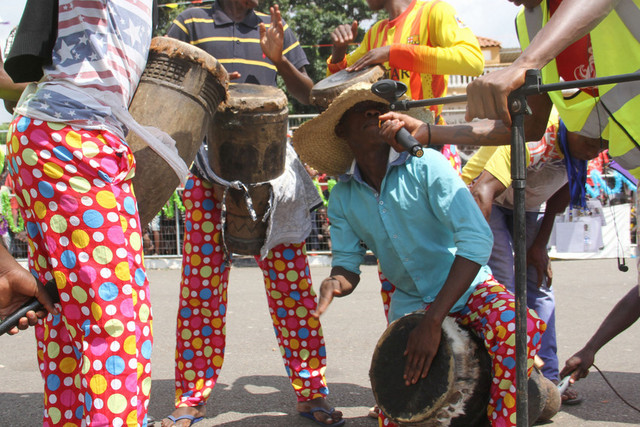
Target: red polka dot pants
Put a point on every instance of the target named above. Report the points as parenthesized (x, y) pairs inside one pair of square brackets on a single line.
[(203, 306), (73, 187), (490, 311)]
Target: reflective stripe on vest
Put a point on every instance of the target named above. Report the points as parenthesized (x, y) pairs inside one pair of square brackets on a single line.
[(621, 100)]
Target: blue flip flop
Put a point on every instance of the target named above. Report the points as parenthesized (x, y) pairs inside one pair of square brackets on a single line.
[(185, 417), (310, 415)]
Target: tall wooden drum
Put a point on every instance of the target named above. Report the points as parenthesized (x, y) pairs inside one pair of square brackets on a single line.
[(327, 89), (247, 143), (456, 389), (179, 91)]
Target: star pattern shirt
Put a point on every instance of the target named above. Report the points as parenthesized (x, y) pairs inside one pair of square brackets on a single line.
[(94, 54)]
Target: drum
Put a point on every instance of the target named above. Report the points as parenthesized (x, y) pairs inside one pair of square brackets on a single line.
[(456, 389), (327, 89), (248, 142), (179, 91)]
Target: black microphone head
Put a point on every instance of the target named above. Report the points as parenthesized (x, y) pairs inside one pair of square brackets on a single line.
[(388, 89), (622, 266)]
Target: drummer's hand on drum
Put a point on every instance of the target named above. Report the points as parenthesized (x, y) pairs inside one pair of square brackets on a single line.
[(342, 37), (379, 55), (272, 38), (422, 347)]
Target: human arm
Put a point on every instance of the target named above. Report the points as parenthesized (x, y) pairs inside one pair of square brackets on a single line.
[(481, 132), (9, 91), (340, 283), (272, 40), (342, 36), (17, 286), (424, 340), (484, 190), (537, 254), (623, 315), (487, 95)]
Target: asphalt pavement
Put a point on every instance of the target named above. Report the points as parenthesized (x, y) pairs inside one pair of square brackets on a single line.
[(253, 389)]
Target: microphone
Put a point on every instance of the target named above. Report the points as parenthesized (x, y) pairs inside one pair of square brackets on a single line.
[(413, 147), (33, 304), (622, 266)]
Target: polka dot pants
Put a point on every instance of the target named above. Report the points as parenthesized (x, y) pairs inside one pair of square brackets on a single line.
[(73, 187), (203, 305), (490, 311)]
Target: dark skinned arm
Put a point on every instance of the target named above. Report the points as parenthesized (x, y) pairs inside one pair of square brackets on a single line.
[(537, 254), (484, 190), (342, 282), (487, 95), (425, 338), (623, 315), (17, 286), (297, 80), (482, 132)]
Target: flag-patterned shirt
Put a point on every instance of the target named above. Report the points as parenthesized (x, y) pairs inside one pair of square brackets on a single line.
[(102, 47)]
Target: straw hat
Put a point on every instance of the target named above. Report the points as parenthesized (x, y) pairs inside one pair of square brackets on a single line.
[(316, 141)]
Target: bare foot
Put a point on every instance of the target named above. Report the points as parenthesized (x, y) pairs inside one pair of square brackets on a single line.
[(195, 411), (327, 417)]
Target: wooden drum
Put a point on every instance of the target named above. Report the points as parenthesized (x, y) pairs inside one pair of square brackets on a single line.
[(456, 389), (327, 89), (179, 91), (248, 143)]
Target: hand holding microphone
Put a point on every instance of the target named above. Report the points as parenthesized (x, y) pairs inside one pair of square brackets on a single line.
[(33, 304), (409, 143)]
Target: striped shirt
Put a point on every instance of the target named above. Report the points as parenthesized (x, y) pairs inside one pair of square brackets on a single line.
[(427, 42), (101, 47), (236, 45)]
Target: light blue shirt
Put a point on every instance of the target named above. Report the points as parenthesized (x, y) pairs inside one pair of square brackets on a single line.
[(423, 216)]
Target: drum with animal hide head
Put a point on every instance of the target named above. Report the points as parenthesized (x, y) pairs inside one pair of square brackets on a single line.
[(456, 389), (330, 87), (179, 91), (247, 143)]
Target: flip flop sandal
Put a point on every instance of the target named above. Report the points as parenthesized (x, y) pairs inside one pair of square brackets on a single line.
[(310, 415)]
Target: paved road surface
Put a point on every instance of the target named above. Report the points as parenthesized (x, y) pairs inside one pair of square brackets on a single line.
[(253, 389)]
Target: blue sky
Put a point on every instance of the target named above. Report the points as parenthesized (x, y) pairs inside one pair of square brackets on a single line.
[(487, 18)]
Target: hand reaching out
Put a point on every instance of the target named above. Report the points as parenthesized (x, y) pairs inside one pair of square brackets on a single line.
[(272, 38)]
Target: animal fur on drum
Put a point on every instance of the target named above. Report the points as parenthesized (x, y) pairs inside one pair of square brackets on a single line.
[(455, 391)]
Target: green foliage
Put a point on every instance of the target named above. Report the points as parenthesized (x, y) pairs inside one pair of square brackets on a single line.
[(166, 15), (312, 21)]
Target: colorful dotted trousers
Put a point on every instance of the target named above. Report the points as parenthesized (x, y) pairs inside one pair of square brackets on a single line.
[(490, 311), (203, 305), (73, 187)]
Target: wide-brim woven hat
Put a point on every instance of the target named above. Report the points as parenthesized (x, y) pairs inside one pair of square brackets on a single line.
[(316, 141)]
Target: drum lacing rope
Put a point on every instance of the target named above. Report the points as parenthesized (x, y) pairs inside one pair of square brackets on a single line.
[(237, 185)]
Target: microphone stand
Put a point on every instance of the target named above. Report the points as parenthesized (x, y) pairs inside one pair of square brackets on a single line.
[(391, 90)]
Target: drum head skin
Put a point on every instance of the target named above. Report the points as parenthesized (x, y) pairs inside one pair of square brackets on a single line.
[(417, 402)]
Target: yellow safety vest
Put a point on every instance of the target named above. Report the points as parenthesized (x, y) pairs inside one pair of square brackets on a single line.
[(616, 50)]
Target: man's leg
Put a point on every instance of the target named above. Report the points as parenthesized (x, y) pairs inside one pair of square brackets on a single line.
[(291, 298), (490, 311), (200, 336)]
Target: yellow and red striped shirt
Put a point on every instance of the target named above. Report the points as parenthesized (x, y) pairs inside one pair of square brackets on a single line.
[(427, 43)]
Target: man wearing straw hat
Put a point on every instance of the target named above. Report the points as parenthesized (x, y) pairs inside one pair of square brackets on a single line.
[(431, 239)]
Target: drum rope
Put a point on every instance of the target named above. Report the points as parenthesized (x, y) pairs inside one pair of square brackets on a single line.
[(614, 390), (237, 185)]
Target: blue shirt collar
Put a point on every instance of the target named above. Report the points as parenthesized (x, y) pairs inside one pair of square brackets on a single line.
[(395, 159)]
